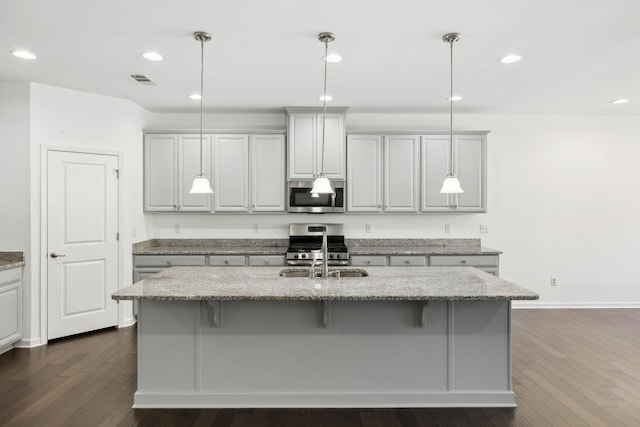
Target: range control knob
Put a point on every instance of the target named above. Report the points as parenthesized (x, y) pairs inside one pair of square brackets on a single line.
[(337, 255), (330, 255), (303, 255)]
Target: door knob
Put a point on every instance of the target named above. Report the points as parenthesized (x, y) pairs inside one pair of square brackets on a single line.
[(55, 255)]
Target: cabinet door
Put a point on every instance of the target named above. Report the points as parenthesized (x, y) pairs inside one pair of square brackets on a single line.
[(435, 166), (364, 173), (160, 173), (189, 168), (401, 178), (334, 146), (10, 306), (267, 173), (231, 172), (302, 133), (471, 153)]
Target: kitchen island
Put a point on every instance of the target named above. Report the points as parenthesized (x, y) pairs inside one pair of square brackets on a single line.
[(399, 337)]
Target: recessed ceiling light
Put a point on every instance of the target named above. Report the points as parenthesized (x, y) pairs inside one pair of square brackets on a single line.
[(326, 98), (454, 98), (195, 96), (333, 57), (510, 59), (620, 101), (23, 54), (152, 56)]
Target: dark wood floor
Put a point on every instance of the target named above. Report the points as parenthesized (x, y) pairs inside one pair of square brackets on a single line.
[(570, 368)]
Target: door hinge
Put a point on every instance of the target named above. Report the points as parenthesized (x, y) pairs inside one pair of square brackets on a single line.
[(118, 236), (117, 171)]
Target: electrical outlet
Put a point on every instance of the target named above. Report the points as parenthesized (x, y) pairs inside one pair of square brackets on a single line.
[(256, 228), (447, 228), (554, 281), (484, 228), (367, 228), (176, 228)]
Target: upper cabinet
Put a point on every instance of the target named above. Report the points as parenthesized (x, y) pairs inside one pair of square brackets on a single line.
[(305, 150), (469, 162), (248, 173), (404, 173), (171, 162), (383, 173)]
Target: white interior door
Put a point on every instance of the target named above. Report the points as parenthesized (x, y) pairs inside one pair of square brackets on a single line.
[(82, 226)]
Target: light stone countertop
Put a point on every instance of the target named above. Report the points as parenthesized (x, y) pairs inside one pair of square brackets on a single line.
[(10, 260), (383, 283), (279, 247)]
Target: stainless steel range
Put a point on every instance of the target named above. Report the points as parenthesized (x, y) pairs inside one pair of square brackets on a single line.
[(305, 244)]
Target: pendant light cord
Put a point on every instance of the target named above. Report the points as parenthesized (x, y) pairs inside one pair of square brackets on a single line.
[(324, 104), (201, 98), (451, 111)]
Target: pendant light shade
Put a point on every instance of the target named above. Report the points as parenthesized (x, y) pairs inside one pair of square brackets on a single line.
[(451, 184), (201, 183), (322, 185)]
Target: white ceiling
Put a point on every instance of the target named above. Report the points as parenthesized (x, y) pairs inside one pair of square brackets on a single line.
[(578, 54)]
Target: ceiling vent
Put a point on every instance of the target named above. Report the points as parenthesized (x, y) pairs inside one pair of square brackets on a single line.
[(142, 79)]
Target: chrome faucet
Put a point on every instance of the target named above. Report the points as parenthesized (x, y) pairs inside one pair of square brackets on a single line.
[(325, 254), (312, 268)]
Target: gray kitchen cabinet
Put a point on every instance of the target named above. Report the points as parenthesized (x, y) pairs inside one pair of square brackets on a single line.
[(401, 173), (227, 260), (368, 260), (148, 265), (408, 260), (383, 173), (268, 191), (470, 152), (488, 263), (230, 160), (267, 260), (249, 173), (10, 308), (171, 162), (364, 173), (304, 142)]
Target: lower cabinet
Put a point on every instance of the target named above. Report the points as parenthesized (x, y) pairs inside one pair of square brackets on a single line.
[(10, 308), (488, 263)]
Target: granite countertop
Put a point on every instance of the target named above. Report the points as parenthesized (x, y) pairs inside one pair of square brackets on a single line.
[(279, 247), (383, 283), (9, 260)]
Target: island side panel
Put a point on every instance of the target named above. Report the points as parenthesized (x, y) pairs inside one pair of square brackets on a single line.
[(277, 354), (482, 345), (169, 350)]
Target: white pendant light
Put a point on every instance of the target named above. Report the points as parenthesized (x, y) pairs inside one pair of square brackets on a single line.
[(201, 183), (451, 184), (322, 185)]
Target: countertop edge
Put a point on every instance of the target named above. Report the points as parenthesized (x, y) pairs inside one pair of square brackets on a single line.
[(12, 265)]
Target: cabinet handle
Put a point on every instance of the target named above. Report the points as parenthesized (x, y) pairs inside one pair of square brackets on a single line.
[(266, 261), (175, 207), (464, 261), (368, 261), (226, 261), (406, 261), (168, 262)]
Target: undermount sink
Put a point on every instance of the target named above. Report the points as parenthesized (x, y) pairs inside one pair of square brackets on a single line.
[(333, 272)]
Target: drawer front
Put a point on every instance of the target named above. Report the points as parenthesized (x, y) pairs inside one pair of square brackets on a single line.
[(168, 260), (410, 260), (143, 273), (223, 260), (368, 260), (462, 260), (262, 260)]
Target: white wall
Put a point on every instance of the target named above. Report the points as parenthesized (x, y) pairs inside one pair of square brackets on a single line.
[(561, 201), (68, 118)]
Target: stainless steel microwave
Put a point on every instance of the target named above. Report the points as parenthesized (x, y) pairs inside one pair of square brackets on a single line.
[(300, 199)]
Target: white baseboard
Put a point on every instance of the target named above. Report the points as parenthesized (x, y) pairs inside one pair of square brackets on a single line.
[(29, 343), (128, 322), (546, 305)]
